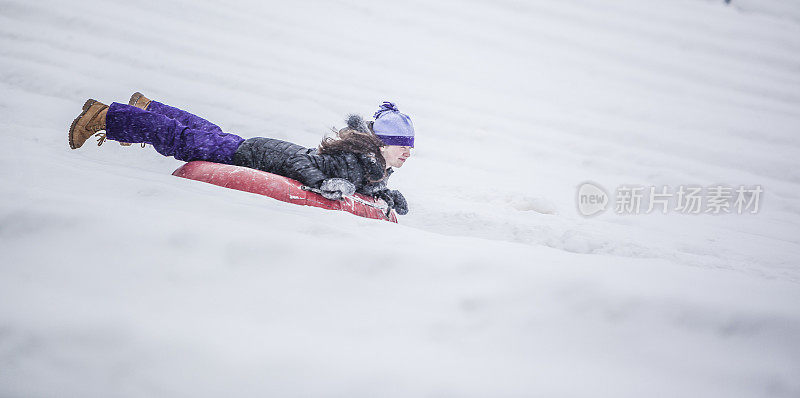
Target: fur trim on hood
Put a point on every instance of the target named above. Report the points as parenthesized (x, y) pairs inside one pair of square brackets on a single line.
[(373, 170), (356, 122)]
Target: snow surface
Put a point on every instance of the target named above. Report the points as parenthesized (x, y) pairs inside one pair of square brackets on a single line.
[(118, 279)]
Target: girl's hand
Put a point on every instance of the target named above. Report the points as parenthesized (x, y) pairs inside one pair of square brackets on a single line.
[(395, 200), (336, 188)]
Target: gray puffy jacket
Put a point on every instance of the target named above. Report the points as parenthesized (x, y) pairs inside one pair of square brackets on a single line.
[(305, 165)]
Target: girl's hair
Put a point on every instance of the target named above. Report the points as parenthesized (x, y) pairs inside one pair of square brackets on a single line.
[(351, 140)]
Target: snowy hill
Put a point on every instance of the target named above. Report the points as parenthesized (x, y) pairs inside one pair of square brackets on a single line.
[(118, 279)]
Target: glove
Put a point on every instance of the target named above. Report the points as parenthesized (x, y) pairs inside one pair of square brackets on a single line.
[(395, 200), (336, 188)]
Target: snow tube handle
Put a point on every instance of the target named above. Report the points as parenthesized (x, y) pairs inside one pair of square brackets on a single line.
[(353, 198)]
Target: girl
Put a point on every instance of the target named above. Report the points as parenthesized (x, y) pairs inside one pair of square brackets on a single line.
[(359, 159)]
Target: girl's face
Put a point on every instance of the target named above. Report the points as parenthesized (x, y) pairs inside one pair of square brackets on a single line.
[(395, 155)]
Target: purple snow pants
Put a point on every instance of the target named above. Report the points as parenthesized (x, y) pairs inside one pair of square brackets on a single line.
[(172, 132)]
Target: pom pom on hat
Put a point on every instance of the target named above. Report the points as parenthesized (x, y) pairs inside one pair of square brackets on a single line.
[(386, 106)]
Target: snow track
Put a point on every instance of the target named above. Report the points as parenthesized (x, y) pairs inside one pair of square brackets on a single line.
[(117, 279)]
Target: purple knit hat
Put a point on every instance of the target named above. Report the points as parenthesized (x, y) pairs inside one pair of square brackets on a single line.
[(393, 127)]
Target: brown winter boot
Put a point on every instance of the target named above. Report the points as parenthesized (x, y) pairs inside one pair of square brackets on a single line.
[(88, 123), (139, 100)]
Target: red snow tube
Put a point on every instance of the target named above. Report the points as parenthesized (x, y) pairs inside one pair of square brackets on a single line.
[(278, 187)]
